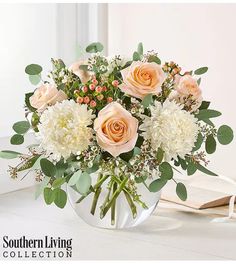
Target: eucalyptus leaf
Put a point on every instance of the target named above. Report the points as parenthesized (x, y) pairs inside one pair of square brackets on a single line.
[(147, 100), (74, 178), (205, 170), (210, 144), (225, 134), (84, 183), (47, 167), (21, 127), (17, 139), (34, 79), (207, 113), (140, 48), (9, 154), (181, 191), (166, 170), (29, 164), (201, 70), (49, 195), (94, 47), (157, 185), (60, 198), (58, 182), (136, 56), (33, 69), (191, 168), (155, 59)]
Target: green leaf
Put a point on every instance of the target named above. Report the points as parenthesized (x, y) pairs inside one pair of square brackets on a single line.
[(40, 187), (225, 135), (147, 100), (205, 170), (61, 167), (181, 191), (155, 59), (47, 167), (201, 70), (84, 183), (49, 195), (204, 105), (94, 47), (17, 139), (33, 69), (191, 168), (27, 102), (94, 168), (199, 81), (136, 56), (182, 163), (127, 155), (29, 164), (60, 198), (198, 143), (74, 178), (166, 170), (210, 144), (207, 113), (58, 182), (157, 185), (160, 155), (208, 121), (140, 48), (34, 79), (136, 151), (8, 154), (21, 127), (140, 179)]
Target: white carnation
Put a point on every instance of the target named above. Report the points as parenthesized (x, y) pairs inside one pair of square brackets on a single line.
[(171, 128), (64, 130)]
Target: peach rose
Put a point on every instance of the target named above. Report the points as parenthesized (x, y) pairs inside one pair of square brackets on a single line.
[(46, 95), (187, 92), (84, 76), (142, 78), (187, 85), (116, 129)]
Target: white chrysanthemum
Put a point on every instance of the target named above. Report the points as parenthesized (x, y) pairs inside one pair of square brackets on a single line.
[(64, 130), (171, 128)]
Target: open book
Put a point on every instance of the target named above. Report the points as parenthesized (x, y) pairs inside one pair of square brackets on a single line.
[(203, 192)]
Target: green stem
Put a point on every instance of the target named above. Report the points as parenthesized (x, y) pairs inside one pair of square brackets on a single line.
[(131, 204), (113, 206), (135, 198), (114, 196), (97, 185), (95, 198)]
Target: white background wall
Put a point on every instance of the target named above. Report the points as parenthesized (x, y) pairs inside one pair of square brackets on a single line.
[(193, 35)]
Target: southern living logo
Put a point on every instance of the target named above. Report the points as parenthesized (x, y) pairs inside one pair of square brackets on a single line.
[(48, 247)]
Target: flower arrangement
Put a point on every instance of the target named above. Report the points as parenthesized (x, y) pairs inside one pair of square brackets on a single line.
[(121, 121)]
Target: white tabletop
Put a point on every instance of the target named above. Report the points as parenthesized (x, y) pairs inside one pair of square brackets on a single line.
[(172, 233)]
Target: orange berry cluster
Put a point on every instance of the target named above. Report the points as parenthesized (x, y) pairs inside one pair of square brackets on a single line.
[(92, 94)]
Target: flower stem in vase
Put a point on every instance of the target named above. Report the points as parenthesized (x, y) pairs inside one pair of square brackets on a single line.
[(96, 196), (114, 196), (97, 185), (131, 204), (113, 206)]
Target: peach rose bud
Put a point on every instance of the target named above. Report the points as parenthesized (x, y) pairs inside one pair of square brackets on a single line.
[(46, 95), (84, 76)]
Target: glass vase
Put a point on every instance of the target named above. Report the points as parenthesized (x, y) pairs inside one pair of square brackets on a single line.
[(123, 216)]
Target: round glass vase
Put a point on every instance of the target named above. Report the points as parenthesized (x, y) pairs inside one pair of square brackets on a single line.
[(124, 217)]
